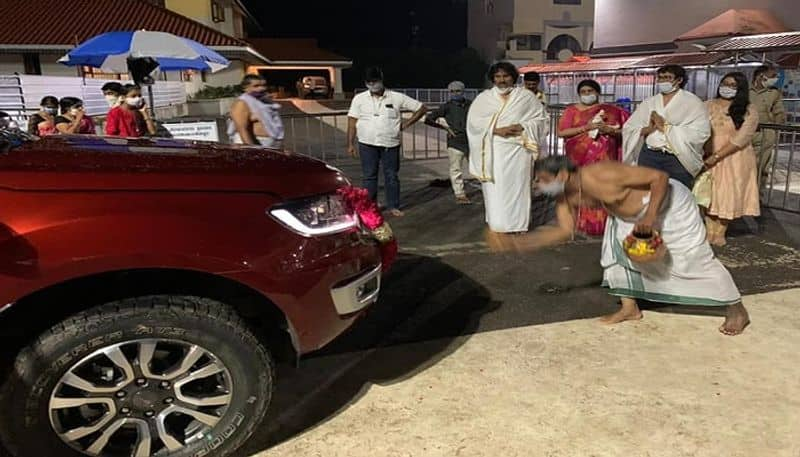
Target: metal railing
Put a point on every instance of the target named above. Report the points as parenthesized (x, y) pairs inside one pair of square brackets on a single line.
[(431, 96), (324, 136), (781, 188), (20, 94)]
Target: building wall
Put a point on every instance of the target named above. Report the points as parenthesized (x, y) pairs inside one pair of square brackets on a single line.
[(200, 11), (229, 76), (489, 22), (11, 63), (52, 68), (630, 22), (522, 30)]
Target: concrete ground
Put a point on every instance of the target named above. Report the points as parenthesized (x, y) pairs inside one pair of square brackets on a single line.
[(472, 353), (668, 385)]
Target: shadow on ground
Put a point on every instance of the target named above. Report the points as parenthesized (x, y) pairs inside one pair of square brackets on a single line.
[(424, 299)]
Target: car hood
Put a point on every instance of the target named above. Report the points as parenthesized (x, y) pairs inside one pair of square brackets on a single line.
[(87, 163)]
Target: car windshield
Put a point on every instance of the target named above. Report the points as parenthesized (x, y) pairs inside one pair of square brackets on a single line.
[(316, 80)]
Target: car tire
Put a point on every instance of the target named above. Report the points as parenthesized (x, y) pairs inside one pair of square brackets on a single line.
[(221, 392)]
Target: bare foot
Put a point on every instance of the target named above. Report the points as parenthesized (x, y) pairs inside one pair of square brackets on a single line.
[(396, 212), (622, 315), (463, 200), (718, 241), (498, 242), (736, 320)]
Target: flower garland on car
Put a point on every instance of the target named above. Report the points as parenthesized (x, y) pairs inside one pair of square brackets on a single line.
[(357, 200)]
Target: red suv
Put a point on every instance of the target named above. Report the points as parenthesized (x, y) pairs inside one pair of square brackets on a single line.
[(148, 286)]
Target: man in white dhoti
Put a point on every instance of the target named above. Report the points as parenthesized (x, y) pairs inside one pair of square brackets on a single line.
[(640, 199), (668, 130), (504, 125)]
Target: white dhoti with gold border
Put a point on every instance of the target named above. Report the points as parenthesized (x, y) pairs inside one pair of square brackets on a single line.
[(689, 273)]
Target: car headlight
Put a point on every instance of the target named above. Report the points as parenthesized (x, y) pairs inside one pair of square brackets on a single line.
[(323, 215)]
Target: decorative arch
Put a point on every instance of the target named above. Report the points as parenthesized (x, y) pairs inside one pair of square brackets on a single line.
[(560, 43)]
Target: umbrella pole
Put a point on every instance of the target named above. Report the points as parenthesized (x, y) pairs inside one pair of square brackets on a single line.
[(151, 103)]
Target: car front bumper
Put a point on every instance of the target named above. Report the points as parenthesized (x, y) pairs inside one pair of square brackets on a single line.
[(357, 293)]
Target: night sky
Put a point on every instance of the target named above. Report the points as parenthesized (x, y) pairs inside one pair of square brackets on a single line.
[(348, 25)]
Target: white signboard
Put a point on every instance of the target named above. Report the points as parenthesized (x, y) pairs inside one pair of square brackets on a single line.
[(202, 131)]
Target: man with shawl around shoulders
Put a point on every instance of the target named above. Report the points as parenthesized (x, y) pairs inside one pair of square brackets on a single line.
[(255, 117), (668, 130), (504, 127)]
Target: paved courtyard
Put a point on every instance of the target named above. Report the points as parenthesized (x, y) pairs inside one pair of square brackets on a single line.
[(471, 353)]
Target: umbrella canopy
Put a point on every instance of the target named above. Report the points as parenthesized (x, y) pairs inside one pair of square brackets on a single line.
[(110, 52)]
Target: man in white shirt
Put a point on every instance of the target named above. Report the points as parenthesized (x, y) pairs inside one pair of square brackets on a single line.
[(375, 117), (668, 130), (504, 128)]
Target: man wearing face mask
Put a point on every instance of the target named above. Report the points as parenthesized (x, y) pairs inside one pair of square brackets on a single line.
[(532, 81), (505, 125), (668, 130), (112, 92), (375, 118), (454, 113), (768, 100), (638, 200), (255, 117)]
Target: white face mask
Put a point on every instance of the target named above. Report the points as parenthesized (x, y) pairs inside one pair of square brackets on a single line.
[(135, 102), (590, 99), (553, 189), (375, 87), (727, 92), (770, 82), (49, 110), (112, 100), (503, 90), (667, 87)]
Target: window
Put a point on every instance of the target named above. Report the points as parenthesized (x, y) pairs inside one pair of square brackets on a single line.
[(566, 2), (33, 65), (217, 12), (488, 6), (529, 42), (96, 73)]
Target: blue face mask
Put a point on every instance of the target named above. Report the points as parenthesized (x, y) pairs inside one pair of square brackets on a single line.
[(457, 97)]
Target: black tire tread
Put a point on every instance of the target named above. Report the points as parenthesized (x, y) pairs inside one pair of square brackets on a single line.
[(218, 313)]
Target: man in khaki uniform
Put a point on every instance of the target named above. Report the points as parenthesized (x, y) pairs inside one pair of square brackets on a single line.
[(769, 102)]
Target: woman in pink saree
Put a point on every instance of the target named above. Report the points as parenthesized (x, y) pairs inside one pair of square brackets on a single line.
[(592, 132)]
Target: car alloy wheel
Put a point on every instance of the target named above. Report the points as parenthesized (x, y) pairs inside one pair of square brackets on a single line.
[(147, 396)]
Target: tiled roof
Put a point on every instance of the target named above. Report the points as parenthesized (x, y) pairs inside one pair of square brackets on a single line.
[(589, 65), (69, 22), (689, 58), (765, 42), (737, 22), (294, 50)]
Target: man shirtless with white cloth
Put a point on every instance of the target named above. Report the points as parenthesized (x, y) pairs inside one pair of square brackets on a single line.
[(504, 126), (640, 199)]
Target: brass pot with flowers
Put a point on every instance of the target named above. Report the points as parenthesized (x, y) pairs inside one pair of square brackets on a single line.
[(644, 247)]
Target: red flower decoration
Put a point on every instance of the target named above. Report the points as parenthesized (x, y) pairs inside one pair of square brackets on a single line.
[(357, 200)]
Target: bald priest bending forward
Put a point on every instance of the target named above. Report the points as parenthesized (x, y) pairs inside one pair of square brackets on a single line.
[(642, 199)]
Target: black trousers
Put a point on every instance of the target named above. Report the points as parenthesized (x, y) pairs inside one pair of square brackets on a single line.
[(668, 163)]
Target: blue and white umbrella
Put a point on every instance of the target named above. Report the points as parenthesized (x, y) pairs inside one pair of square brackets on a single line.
[(110, 52)]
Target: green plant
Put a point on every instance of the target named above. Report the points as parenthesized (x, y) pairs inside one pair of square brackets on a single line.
[(213, 92)]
